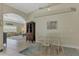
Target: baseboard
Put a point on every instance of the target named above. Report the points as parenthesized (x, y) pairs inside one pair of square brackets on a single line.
[(71, 46)]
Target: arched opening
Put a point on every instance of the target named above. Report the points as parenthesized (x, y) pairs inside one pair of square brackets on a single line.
[(13, 25)]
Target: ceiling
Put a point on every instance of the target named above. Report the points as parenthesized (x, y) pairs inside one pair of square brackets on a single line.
[(30, 7)]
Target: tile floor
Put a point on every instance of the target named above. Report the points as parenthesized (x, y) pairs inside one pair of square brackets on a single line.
[(39, 50), (18, 43), (14, 45)]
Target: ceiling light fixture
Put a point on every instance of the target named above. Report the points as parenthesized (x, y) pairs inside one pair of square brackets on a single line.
[(49, 9)]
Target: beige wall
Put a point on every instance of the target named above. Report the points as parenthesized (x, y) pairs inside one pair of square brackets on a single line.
[(67, 28), (1, 28)]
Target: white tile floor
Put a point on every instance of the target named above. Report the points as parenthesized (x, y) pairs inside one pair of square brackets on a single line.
[(18, 43), (14, 46)]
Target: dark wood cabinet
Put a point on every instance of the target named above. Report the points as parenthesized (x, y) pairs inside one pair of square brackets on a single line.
[(4, 38), (30, 31)]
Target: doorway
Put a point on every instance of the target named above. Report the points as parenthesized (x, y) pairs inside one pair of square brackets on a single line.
[(13, 30)]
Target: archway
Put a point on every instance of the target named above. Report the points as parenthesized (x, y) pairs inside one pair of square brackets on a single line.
[(13, 25)]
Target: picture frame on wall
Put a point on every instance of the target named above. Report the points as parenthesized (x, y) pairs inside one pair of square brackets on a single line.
[(52, 25)]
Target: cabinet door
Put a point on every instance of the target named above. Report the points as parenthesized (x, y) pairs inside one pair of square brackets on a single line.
[(5, 38), (30, 31), (31, 28)]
